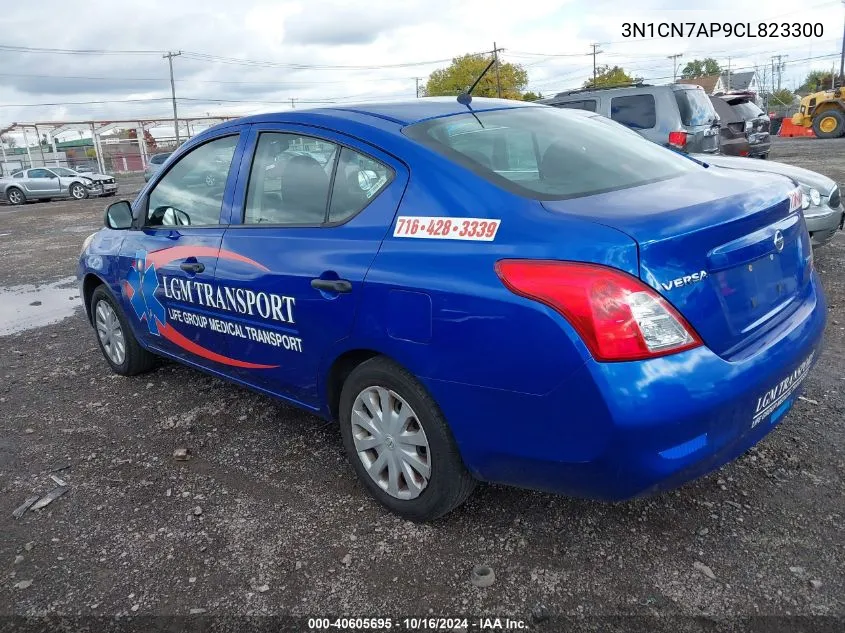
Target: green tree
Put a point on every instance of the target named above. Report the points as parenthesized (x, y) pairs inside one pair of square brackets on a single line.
[(531, 96), (611, 76), (464, 70), (701, 68), (817, 80), (782, 97)]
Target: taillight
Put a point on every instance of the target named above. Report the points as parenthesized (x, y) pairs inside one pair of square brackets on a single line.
[(617, 315), (678, 139)]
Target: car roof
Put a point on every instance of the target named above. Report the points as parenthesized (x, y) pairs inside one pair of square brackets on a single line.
[(399, 112)]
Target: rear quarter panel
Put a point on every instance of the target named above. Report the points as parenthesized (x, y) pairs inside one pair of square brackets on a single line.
[(438, 307)]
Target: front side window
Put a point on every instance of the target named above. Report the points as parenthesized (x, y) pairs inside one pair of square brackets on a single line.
[(291, 181), (547, 153), (636, 111), (191, 193)]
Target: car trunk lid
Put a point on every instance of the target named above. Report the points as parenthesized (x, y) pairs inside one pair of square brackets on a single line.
[(727, 249)]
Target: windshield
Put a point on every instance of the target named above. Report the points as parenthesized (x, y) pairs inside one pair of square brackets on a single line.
[(158, 159), (63, 171), (747, 110), (695, 107), (549, 154)]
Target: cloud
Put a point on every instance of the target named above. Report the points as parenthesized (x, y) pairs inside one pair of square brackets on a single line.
[(335, 33)]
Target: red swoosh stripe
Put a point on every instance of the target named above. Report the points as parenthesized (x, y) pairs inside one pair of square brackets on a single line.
[(167, 255), (128, 289), (170, 333)]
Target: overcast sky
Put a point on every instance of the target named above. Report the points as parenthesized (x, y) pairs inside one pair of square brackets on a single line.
[(379, 42)]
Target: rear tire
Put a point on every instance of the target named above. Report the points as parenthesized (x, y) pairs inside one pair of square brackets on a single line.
[(421, 437), (15, 196), (829, 124), (114, 336)]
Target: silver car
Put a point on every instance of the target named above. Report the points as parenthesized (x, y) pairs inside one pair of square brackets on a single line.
[(823, 210), (156, 161), (46, 183)]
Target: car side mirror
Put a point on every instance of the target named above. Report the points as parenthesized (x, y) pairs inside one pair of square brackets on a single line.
[(119, 215)]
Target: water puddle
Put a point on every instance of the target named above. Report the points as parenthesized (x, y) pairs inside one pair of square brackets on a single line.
[(28, 307)]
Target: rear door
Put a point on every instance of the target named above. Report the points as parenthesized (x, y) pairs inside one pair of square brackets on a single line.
[(167, 265), (315, 209)]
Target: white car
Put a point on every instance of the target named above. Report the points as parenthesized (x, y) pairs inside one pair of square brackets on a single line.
[(46, 183)]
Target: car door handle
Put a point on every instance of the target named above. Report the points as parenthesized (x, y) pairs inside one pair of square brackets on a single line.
[(192, 267), (332, 285)]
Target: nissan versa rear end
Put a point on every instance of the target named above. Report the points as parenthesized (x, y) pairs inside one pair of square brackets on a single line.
[(519, 294)]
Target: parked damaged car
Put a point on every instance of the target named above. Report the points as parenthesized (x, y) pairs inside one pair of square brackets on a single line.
[(46, 183), (823, 210), (745, 128)]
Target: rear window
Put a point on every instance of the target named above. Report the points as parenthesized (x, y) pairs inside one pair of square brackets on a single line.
[(747, 110), (583, 104), (695, 107), (636, 111), (549, 154)]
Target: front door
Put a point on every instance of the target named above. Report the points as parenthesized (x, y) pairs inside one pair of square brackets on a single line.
[(316, 207), (42, 182), (168, 263)]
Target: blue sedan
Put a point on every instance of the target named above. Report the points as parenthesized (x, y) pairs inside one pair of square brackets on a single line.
[(493, 291)]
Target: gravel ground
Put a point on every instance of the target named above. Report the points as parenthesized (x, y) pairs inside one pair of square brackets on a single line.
[(267, 517)]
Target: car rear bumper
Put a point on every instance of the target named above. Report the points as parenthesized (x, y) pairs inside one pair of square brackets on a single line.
[(614, 431), (822, 226)]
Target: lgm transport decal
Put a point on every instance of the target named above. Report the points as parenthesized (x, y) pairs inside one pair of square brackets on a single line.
[(142, 282)]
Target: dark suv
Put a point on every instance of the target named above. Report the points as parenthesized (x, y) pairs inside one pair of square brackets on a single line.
[(678, 115), (747, 125)]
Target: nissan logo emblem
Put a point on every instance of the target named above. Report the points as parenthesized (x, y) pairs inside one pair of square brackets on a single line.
[(778, 241)]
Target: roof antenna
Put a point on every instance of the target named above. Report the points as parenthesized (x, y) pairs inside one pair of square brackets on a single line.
[(465, 98)]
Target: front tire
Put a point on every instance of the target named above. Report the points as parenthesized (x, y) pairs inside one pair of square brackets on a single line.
[(399, 442), (78, 191), (830, 124), (15, 196), (117, 342)]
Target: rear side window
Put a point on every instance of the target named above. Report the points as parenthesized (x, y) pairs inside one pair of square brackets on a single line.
[(584, 104), (636, 111), (304, 181), (548, 153), (695, 107), (358, 179)]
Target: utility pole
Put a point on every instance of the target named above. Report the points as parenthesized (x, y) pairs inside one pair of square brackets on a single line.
[(169, 56), (292, 105), (498, 79), (842, 57), (596, 51), (417, 80), (779, 68), (674, 65), (728, 87)]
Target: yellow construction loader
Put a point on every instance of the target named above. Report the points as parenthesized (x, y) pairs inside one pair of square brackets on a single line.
[(823, 111)]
